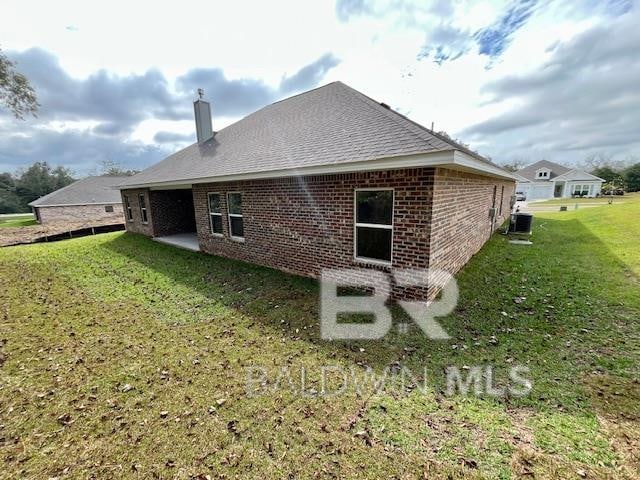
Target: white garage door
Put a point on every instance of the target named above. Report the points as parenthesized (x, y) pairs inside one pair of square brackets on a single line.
[(540, 192)]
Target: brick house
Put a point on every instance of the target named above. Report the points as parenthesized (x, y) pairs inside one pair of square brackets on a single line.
[(327, 178), (92, 199)]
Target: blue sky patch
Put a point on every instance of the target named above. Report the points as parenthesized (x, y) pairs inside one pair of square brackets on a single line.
[(494, 40)]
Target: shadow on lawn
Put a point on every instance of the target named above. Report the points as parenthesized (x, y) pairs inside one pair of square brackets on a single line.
[(554, 306)]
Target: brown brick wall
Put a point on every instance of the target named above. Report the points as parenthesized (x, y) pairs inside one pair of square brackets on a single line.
[(136, 225), (461, 223), (304, 224), (79, 213)]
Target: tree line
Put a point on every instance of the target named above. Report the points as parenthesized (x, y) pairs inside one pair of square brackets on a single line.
[(17, 190)]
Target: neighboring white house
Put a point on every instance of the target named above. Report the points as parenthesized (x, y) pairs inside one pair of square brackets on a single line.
[(544, 180)]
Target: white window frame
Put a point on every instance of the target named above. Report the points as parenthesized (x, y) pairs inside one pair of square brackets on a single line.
[(127, 204), (375, 261), (543, 173), (145, 209), (211, 214), (236, 215), (582, 185)]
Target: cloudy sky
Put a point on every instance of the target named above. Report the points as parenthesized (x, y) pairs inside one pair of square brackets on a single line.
[(516, 80)]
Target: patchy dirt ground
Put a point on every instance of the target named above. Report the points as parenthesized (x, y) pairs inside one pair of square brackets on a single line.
[(32, 233)]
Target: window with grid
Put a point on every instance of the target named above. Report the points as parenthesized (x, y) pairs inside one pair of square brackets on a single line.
[(127, 205), (374, 225), (143, 209), (215, 213), (236, 222)]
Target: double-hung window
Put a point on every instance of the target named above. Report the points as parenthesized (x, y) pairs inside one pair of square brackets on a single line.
[(127, 205), (236, 225), (582, 190), (215, 213), (374, 225), (143, 209)]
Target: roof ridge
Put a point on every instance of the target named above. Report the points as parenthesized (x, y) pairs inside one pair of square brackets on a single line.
[(456, 145), (38, 201), (298, 94), (375, 105), (270, 105)]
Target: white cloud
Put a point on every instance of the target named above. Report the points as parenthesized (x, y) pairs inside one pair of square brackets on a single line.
[(155, 54)]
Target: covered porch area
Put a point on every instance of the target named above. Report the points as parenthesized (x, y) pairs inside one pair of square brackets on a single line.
[(172, 211), (187, 240)]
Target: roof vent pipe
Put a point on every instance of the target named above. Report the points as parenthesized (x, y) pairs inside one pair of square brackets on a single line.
[(202, 111)]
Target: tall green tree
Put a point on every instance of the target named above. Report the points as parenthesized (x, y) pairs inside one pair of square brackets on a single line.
[(15, 91), (632, 177), (39, 179), (10, 202), (608, 174)]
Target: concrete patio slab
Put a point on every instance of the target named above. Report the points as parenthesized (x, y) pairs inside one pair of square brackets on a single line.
[(188, 241)]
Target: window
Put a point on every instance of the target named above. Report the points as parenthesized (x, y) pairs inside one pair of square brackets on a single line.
[(374, 225), (143, 209), (236, 226), (108, 208), (501, 200), (543, 174), (127, 205), (215, 213), (582, 190)]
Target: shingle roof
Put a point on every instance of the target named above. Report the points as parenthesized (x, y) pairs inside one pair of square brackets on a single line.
[(530, 172), (86, 191), (330, 125), (576, 174)]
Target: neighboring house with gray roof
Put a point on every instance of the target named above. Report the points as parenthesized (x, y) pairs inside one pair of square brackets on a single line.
[(545, 180), (325, 179), (90, 199)]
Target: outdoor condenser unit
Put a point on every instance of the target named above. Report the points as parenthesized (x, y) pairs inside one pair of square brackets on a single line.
[(521, 223)]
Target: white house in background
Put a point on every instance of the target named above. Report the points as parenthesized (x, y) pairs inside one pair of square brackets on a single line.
[(544, 180)]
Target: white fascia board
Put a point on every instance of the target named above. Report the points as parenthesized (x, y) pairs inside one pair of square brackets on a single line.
[(434, 159), (444, 158)]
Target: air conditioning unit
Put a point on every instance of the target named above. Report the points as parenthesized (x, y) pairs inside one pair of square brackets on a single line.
[(521, 223)]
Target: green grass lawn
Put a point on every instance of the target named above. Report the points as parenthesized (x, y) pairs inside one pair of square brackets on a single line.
[(122, 357), (17, 220)]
